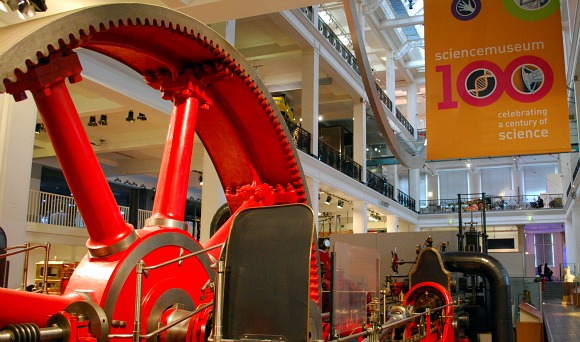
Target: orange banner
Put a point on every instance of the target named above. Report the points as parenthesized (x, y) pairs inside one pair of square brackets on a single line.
[(495, 78)]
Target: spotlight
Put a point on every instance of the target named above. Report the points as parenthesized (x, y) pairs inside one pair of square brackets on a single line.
[(328, 199), (200, 180), (39, 5), (141, 117), (39, 128), (25, 7), (340, 204), (130, 117), (410, 4), (93, 121), (103, 120)]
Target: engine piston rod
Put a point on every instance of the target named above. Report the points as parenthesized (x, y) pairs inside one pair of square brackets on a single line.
[(29, 332)]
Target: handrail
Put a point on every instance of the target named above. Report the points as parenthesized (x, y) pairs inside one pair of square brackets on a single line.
[(49, 208), (333, 158), (26, 248), (493, 203), (351, 60)]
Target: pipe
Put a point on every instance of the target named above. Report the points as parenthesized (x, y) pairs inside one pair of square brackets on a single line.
[(496, 274)]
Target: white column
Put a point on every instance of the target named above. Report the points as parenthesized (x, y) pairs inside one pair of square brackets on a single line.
[(313, 188), (415, 186), (565, 169), (412, 105), (392, 223), (432, 186), (474, 181), (212, 197), (310, 70), (571, 247), (360, 136), (392, 176), (390, 77), (572, 236), (231, 32), (360, 217), (17, 121)]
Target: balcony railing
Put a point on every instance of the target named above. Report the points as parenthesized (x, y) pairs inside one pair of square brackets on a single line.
[(405, 200), (301, 137), (380, 185), (47, 208), (339, 161), (493, 204), (142, 215), (350, 59), (346, 165)]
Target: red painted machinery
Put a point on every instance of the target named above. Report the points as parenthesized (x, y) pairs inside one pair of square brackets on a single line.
[(158, 283), (133, 281)]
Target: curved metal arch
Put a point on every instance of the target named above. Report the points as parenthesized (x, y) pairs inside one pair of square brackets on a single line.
[(403, 156)]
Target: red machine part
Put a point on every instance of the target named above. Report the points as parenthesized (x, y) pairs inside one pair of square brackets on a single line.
[(214, 94), (427, 296)]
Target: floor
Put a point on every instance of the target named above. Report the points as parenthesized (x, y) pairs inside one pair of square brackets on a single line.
[(562, 322)]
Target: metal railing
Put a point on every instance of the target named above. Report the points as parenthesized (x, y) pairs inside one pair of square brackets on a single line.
[(142, 216), (333, 158), (301, 137), (493, 203), (350, 59), (339, 161), (405, 200), (380, 185), (48, 208)]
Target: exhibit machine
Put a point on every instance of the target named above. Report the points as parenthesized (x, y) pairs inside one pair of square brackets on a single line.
[(258, 277)]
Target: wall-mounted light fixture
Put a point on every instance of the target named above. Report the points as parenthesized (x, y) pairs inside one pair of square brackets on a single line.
[(142, 117), (103, 120), (92, 121), (39, 128), (130, 116)]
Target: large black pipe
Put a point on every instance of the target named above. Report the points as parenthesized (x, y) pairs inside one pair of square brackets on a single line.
[(500, 295)]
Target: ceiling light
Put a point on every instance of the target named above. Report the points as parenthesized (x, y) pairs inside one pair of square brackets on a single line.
[(141, 117), (103, 120), (130, 116), (320, 118), (93, 121), (340, 204), (328, 199), (3, 6)]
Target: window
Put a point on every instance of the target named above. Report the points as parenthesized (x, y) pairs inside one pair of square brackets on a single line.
[(496, 181), (535, 178), (544, 249), (452, 183)]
